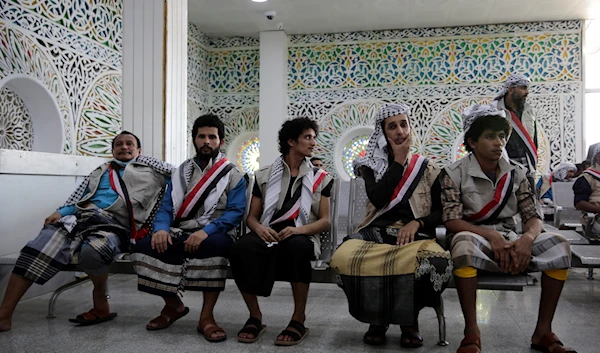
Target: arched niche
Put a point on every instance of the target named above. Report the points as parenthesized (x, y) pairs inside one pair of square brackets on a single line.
[(48, 130)]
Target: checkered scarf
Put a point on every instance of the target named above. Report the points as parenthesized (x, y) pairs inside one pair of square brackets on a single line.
[(274, 191), (513, 81), (376, 156), (560, 172), (476, 111), (159, 166)]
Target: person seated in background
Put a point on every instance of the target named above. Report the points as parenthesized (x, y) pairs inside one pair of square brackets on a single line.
[(563, 172), (193, 231), (481, 195), (317, 162), (581, 167), (587, 194), (289, 208), (108, 211), (392, 266)]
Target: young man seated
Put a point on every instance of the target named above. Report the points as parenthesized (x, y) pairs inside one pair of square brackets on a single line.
[(106, 212), (289, 208), (587, 194), (481, 194), (193, 231)]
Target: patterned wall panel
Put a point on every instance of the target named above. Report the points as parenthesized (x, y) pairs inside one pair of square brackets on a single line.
[(234, 71), (70, 46), (338, 79), (16, 130)]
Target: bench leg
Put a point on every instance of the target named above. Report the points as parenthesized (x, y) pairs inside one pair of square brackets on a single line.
[(439, 311), (590, 273), (59, 291)]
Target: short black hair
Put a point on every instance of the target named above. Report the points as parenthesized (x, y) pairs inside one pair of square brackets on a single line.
[(208, 120), (315, 159), (494, 123), (139, 143), (292, 129)]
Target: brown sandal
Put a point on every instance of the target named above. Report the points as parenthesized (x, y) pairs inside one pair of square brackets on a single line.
[(547, 341), (167, 317), (93, 317), (470, 340), (207, 332)]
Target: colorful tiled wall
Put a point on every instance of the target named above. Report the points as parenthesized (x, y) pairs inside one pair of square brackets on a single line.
[(341, 79)]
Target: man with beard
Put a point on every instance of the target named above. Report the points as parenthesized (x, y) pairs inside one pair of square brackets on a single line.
[(522, 144), (193, 231), (106, 212)]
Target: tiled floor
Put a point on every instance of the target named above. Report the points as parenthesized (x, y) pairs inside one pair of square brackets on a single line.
[(506, 320)]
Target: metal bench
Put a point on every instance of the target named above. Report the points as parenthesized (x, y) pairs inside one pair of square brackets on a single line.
[(572, 236), (565, 213), (586, 256)]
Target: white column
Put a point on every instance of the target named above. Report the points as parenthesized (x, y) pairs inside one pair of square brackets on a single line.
[(273, 92), (154, 78)]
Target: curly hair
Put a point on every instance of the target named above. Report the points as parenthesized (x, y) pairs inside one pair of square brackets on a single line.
[(208, 120), (291, 130), (494, 123)]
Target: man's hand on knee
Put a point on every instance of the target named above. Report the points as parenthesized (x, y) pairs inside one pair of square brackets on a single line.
[(53, 218), (160, 240)]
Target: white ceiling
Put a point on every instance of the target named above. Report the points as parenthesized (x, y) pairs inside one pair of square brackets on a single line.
[(246, 18)]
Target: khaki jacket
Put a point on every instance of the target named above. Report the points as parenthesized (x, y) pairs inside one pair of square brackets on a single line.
[(477, 190), (420, 200), (143, 185)]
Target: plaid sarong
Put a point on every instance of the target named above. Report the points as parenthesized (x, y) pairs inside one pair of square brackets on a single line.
[(389, 284), (175, 271), (55, 247), (549, 252)]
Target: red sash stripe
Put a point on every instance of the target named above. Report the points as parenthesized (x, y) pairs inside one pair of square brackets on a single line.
[(113, 177), (499, 195), (294, 211), (408, 179), (197, 191), (593, 173), (522, 132)]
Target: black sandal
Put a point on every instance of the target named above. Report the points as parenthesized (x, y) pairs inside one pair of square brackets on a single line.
[(407, 339), (253, 327), (375, 336), (297, 337)]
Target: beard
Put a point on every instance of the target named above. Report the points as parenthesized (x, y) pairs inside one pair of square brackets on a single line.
[(519, 101), (204, 154)]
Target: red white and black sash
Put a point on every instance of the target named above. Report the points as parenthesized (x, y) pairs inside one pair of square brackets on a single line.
[(503, 192), (118, 185), (407, 185), (291, 209), (523, 134), (195, 198), (595, 174)]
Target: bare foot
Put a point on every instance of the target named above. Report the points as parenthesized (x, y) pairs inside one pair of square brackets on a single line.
[(5, 323)]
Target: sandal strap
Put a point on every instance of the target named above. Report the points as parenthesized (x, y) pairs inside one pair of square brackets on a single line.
[(471, 339), (298, 326), (377, 330), (212, 329), (252, 326), (549, 339), (294, 335)]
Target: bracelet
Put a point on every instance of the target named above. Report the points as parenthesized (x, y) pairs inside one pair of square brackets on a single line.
[(421, 223)]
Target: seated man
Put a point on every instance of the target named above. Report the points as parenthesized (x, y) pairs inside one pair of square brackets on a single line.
[(289, 208), (563, 172), (587, 193), (581, 167), (481, 194), (193, 231), (317, 162), (100, 219)]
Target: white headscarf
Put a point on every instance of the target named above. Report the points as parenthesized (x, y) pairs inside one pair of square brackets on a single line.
[(513, 81), (376, 156), (477, 111), (596, 151), (561, 171)]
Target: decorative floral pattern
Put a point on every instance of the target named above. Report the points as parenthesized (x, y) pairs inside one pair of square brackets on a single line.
[(233, 71), (16, 129), (247, 155)]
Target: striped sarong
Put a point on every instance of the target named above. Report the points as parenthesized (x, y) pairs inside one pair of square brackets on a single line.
[(173, 271), (389, 284), (56, 247), (550, 251)]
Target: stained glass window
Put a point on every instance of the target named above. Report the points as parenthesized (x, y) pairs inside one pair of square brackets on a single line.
[(357, 147), (247, 155), (461, 151)]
